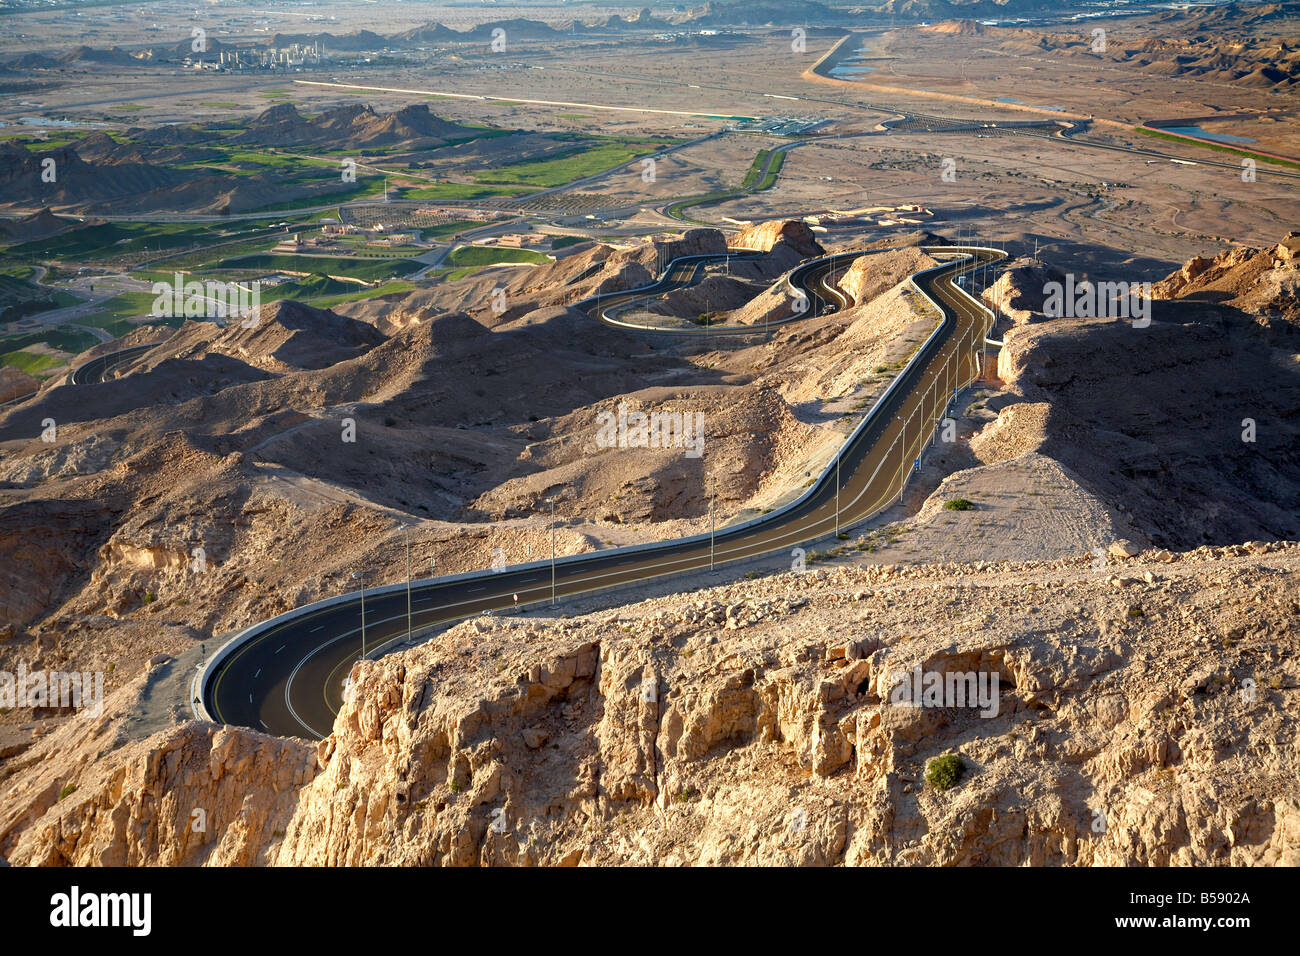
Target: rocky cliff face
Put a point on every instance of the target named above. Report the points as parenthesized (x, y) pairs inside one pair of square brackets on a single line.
[(1186, 424), (1262, 283), (790, 232), (1144, 715)]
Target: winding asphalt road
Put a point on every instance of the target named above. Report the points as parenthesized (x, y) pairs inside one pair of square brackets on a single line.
[(287, 676), (97, 369)]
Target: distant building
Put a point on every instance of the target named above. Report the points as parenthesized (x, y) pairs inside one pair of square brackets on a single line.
[(289, 245), (516, 240)]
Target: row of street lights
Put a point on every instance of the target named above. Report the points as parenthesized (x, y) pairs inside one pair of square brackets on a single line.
[(406, 539)]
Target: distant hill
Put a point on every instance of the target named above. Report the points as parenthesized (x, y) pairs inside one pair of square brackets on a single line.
[(349, 43), (114, 56), (350, 126), (516, 28), (39, 225), (759, 12)]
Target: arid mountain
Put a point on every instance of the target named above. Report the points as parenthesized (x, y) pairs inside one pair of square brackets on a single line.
[(123, 179), (39, 225), (643, 20), (966, 9), (516, 28), (97, 172), (755, 723), (959, 28), (89, 56), (1264, 283), (1229, 16), (1204, 448), (1217, 44), (350, 126), (759, 13), (285, 336), (24, 178), (350, 43), (776, 692)]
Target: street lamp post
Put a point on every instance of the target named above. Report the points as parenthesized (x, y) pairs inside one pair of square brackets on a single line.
[(407, 539), (713, 489), (837, 493), (551, 501), (356, 576)]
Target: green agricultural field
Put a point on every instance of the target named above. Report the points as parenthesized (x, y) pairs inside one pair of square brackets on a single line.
[(475, 256), (30, 362), (561, 242), (211, 255), (364, 188), (371, 270), (462, 191), (17, 270), (309, 289), (397, 287), (751, 183), (581, 162), (62, 338), (117, 238), (1217, 147)]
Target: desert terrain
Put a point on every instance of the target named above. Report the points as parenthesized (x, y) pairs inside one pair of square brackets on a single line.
[(429, 212)]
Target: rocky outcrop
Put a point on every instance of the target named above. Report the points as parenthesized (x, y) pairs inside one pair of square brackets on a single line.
[(758, 723), (869, 276), (1263, 283), (793, 233), (1020, 290)]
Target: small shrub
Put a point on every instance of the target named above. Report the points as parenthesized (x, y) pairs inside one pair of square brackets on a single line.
[(959, 504), (944, 773), (68, 790)]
